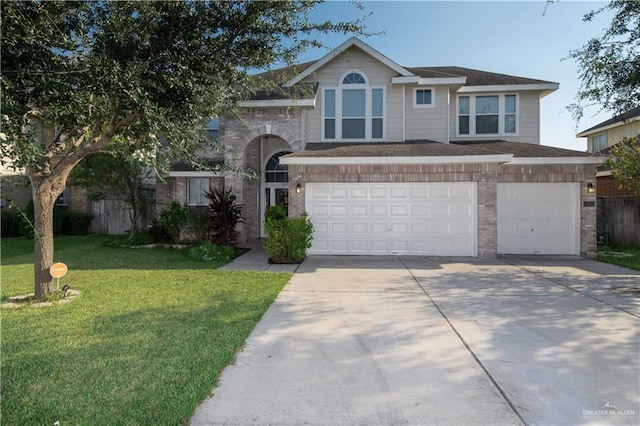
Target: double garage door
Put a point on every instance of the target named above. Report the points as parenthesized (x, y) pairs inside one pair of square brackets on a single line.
[(393, 218), (440, 218)]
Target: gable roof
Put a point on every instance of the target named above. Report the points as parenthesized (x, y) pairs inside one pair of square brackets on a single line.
[(619, 120), (353, 41), (471, 80)]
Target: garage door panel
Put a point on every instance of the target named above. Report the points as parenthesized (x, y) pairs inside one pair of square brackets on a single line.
[(429, 215), (538, 218)]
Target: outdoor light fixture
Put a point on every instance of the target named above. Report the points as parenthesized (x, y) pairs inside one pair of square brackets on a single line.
[(298, 188), (591, 188)]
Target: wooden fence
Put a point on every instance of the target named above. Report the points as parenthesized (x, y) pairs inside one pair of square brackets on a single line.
[(619, 220), (112, 217)]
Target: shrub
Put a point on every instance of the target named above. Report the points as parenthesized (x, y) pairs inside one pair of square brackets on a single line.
[(159, 233), (11, 224), (210, 252), (74, 223), (224, 216), (174, 219), (198, 223), (288, 239), (19, 223)]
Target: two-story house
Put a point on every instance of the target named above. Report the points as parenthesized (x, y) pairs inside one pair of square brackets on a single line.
[(605, 135), (389, 160)]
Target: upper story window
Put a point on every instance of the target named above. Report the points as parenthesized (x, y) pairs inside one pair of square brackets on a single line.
[(480, 115), (353, 110), (212, 129), (423, 98), (598, 143)]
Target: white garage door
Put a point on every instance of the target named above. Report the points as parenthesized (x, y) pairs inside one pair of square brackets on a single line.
[(393, 218), (538, 218)]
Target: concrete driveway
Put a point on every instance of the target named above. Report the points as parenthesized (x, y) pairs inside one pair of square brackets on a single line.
[(414, 340)]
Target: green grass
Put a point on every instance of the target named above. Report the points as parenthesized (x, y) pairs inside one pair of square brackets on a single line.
[(143, 344), (622, 256)]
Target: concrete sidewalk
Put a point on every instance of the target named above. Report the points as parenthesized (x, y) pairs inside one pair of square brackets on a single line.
[(256, 260)]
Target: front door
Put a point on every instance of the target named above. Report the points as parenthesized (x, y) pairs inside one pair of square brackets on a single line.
[(275, 186)]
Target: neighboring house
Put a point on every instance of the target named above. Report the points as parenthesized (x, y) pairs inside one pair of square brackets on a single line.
[(388, 160), (618, 219), (604, 135)]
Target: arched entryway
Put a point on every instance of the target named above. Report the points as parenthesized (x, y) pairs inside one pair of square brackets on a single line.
[(274, 185)]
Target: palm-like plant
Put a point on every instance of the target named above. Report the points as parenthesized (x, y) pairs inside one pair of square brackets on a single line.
[(224, 216)]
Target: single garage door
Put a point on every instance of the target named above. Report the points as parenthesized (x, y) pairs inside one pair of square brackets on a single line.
[(436, 219), (538, 218)]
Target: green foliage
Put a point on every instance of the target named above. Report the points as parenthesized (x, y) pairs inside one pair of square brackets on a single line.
[(118, 174), (627, 256), (141, 238), (224, 216), (174, 220), (18, 223), (625, 163), (278, 212), (80, 76), (288, 239), (609, 66), (210, 252), (152, 330), (198, 222), (159, 233)]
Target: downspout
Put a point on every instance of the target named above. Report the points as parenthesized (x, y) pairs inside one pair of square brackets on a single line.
[(448, 113), (404, 112), (259, 190)]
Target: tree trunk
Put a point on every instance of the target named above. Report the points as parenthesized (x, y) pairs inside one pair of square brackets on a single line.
[(43, 202)]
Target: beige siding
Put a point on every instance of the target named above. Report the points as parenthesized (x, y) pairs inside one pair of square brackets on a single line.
[(427, 123), (377, 74), (394, 113), (528, 118), (627, 130)]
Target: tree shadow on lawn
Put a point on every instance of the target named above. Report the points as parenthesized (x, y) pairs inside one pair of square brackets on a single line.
[(138, 367), (91, 254)]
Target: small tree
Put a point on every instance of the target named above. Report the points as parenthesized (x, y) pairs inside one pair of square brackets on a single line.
[(78, 76), (224, 216), (625, 163), (118, 174)]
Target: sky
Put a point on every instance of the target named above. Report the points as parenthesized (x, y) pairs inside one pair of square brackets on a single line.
[(509, 37)]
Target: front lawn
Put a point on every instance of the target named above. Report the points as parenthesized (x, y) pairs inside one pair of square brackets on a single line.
[(142, 344), (622, 256)]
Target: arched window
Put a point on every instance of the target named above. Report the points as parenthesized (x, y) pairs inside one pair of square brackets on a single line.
[(353, 78), (276, 172), (353, 110)]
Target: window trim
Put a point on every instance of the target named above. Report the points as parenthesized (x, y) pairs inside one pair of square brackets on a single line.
[(368, 136), (502, 113), (415, 97)]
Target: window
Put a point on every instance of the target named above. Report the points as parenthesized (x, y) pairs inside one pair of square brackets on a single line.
[(598, 143), (196, 189), (353, 110), (63, 199), (423, 98), (212, 129), (487, 115), (274, 171)]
